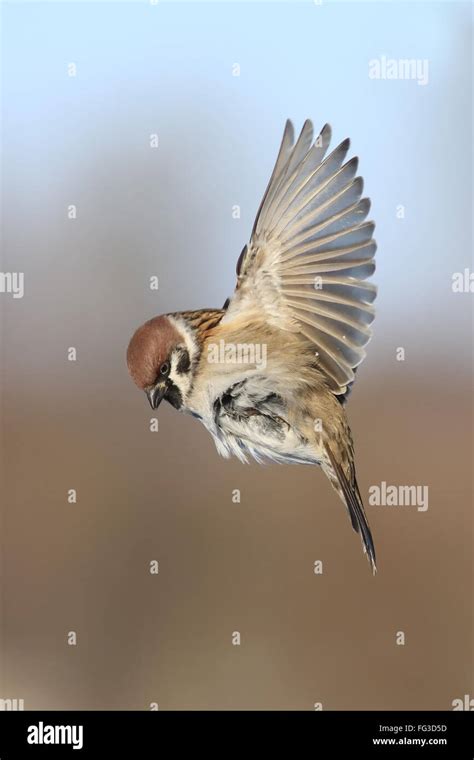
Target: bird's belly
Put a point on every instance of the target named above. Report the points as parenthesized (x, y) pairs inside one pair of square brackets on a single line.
[(267, 451), (264, 437), (249, 419)]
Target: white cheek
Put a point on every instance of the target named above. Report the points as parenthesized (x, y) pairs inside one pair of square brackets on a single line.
[(187, 335)]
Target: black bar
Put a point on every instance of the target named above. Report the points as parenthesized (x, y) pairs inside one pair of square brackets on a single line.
[(294, 734)]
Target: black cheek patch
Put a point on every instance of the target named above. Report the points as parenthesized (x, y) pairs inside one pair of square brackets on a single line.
[(173, 396), (184, 363)]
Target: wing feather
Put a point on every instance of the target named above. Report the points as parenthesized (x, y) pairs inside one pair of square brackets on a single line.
[(311, 252)]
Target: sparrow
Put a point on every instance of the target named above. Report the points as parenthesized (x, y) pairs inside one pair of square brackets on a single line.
[(269, 374)]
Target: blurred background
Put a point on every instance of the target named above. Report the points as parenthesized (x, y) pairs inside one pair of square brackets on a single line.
[(85, 86)]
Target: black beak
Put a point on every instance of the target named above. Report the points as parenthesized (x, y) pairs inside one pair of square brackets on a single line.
[(156, 394)]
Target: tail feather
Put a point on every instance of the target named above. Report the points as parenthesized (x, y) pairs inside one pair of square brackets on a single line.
[(349, 490)]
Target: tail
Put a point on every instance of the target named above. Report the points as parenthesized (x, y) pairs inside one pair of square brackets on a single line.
[(349, 491)]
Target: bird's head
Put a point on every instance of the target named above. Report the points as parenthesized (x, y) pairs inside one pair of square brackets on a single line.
[(160, 358)]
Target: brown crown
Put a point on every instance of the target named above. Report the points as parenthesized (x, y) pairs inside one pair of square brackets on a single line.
[(149, 347)]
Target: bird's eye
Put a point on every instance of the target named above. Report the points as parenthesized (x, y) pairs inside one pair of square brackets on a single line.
[(165, 368)]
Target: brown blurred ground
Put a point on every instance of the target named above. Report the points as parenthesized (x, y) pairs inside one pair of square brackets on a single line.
[(227, 567)]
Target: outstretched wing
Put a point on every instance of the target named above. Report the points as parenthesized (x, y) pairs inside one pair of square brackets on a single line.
[(311, 252)]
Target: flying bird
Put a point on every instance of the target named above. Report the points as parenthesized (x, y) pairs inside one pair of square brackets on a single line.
[(269, 374)]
